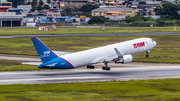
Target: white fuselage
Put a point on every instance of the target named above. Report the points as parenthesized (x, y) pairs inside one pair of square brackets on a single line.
[(131, 47)]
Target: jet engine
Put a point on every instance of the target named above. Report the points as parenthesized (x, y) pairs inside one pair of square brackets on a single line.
[(125, 59)]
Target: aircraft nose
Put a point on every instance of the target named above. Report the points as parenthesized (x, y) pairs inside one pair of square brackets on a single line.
[(154, 43)]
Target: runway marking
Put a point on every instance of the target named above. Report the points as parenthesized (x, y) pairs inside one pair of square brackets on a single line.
[(19, 58), (135, 71), (146, 77), (43, 79), (103, 34), (92, 70), (93, 78)]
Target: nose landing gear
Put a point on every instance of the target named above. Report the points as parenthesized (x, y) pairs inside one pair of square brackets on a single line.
[(147, 55)]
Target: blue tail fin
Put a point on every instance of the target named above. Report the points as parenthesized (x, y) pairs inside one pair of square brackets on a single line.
[(45, 53)]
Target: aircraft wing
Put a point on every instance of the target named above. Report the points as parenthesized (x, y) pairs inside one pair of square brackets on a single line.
[(112, 57), (38, 63), (59, 53), (104, 59)]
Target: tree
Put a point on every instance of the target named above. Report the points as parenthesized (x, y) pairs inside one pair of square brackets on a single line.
[(28, 3), (34, 2), (75, 8), (16, 2), (97, 19), (67, 9), (46, 7), (40, 2), (139, 14), (169, 11), (48, 1), (160, 22), (149, 13), (39, 7), (138, 18), (130, 19), (88, 7)]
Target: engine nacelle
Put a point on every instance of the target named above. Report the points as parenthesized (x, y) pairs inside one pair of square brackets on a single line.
[(125, 59)]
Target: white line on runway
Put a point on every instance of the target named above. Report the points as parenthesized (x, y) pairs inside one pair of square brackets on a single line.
[(89, 70), (19, 58), (43, 79)]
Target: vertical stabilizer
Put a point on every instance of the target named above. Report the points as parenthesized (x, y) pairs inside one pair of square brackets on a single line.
[(45, 53)]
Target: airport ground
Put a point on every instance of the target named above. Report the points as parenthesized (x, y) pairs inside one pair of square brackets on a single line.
[(166, 51), (35, 31), (133, 90), (93, 85)]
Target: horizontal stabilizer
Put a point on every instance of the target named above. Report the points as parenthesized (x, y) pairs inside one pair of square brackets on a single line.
[(50, 65)]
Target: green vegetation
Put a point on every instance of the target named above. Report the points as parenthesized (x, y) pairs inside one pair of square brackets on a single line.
[(34, 31), (16, 2), (166, 50), (15, 66), (97, 19), (133, 90), (141, 20), (89, 7), (39, 7), (67, 9), (168, 12)]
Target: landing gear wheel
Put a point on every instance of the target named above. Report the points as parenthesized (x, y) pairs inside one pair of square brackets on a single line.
[(103, 68), (90, 67), (106, 68), (147, 56)]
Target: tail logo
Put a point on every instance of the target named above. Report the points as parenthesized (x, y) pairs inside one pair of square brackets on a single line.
[(46, 54)]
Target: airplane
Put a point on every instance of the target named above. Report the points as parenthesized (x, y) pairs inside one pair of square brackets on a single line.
[(119, 53)]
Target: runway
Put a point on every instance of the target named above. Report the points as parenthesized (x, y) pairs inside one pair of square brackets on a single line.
[(117, 72), (78, 35), (133, 70), (19, 58)]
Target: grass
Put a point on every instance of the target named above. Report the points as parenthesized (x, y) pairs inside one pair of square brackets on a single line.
[(133, 90), (34, 31), (166, 50), (15, 66)]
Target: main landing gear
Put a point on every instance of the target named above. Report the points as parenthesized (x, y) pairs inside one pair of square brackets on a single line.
[(90, 67), (105, 67), (147, 54)]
